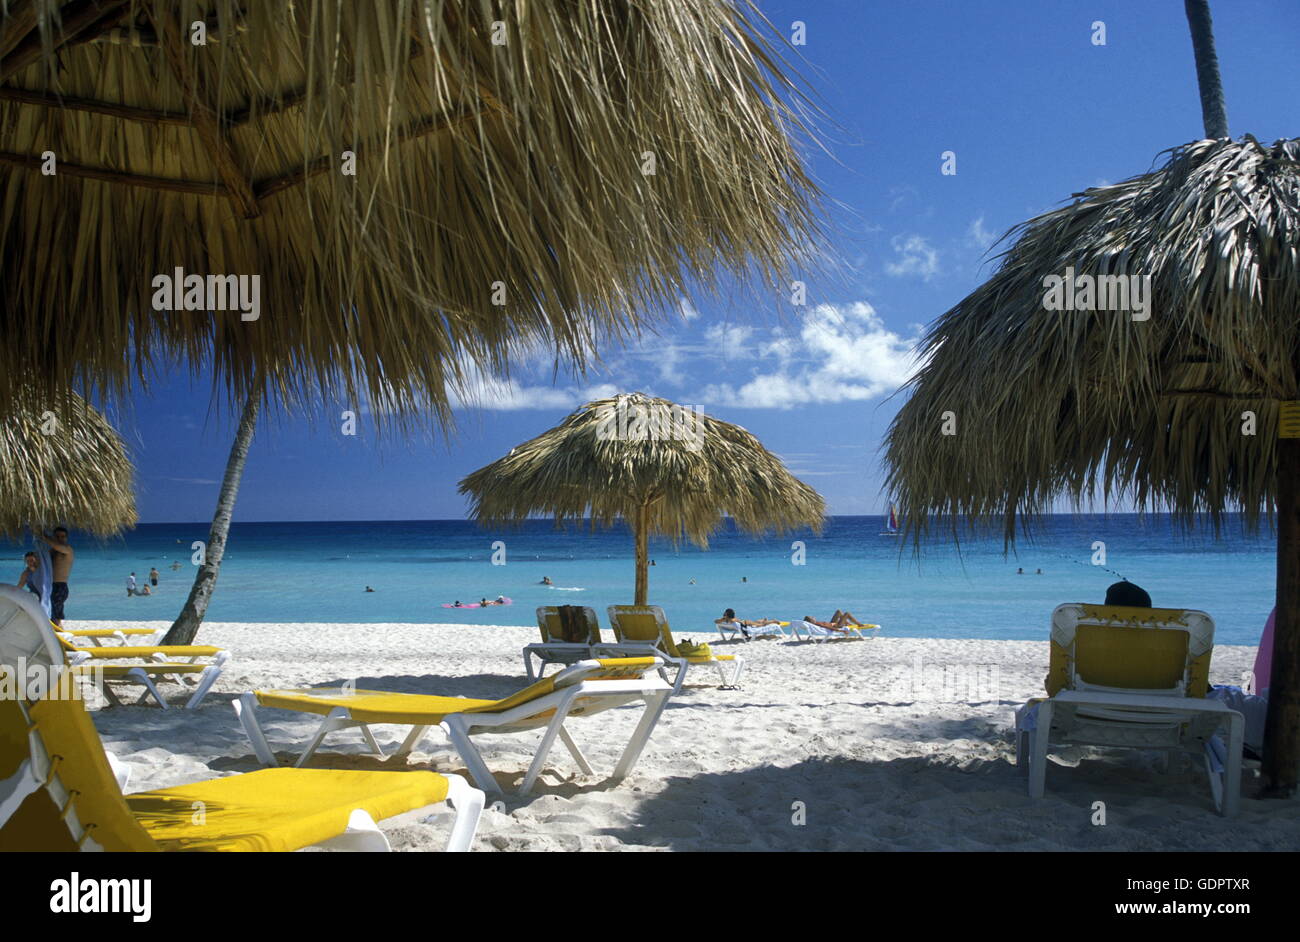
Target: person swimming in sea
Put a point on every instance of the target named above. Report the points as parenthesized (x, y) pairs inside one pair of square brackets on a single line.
[(546, 580), (368, 589)]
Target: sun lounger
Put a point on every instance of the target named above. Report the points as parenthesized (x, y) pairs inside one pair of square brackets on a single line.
[(582, 689), (59, 790), (555, 648), (197, 679), (178, 663), (733, 629), (1136, 678), (634, 624), (813, 632), (123, 636)]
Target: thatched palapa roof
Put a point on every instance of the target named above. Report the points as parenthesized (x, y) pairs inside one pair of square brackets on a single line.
[(65, 468), (1054, 404), (549, 171), (579, 470)]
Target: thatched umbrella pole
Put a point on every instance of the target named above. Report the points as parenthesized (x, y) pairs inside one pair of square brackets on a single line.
[(641, 527)]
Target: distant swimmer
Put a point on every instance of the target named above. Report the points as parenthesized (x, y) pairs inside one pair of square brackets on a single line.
[(368, 589), (1038, 572), (692, 582), (145, 590), (176, 565), (546, 580), (744, 578), (456, 604), (153, 575), (1020, 572)]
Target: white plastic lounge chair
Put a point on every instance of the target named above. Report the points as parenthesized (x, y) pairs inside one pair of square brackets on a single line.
[(60, 791), (1136, 678), (556, 648), (583, 689), (802, 628), (194, 667), (641, 624), (106, 636), (732, 629), (196, 679)]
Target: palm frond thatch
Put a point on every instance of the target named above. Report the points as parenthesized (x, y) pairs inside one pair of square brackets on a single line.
[(1052, 405), (65, 468), (570, 473), (501, 193)]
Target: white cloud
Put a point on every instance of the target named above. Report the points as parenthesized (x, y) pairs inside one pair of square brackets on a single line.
[(915, 257), (687, 310), (667, 361), (730, 339), (979, 237), (484, 391), (843, 353)]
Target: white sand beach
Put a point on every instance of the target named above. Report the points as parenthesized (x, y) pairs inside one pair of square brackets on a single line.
[(880, 756)]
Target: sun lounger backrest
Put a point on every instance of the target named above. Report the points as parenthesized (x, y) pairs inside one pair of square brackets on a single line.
[(550, 620), (1152, 649), (642, 623), (78, 802)]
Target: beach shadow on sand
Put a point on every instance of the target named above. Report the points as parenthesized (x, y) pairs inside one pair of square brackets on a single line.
[(924, 803)]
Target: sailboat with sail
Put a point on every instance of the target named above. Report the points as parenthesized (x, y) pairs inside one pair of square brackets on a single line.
[(891, 528)]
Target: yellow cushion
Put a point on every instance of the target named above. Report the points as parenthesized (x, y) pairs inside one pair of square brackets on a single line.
[(277, 809), (122, 652)]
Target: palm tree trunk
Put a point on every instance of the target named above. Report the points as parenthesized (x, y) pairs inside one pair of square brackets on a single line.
[(1213, 111), (642, 527), (187, 623)]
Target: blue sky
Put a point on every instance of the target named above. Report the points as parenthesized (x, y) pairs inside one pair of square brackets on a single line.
[(1034, 112)]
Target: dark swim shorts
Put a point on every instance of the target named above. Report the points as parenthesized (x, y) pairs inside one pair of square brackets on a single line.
[(58, 596)]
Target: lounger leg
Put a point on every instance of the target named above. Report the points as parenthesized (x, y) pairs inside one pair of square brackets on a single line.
[(206, 680), (469, 754), (1216, 778), (528, 665), (468, 804), (410, 742), (1022, 751), (654, 708), (362, 834), (370, 741), (1232, 767), (142, 678), (543, 750), (246, 710), (1038, 750), (337, 719), (574, 751)]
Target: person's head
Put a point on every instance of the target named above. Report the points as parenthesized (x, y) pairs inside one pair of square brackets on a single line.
[(729, 613), (31, 560), (1128, 594), (61, 534), (133, 574)]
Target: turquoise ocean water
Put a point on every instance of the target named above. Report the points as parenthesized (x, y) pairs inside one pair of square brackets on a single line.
[(317, 572)]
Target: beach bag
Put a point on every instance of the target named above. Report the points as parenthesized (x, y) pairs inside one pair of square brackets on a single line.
[(573, 625), (689, 649)]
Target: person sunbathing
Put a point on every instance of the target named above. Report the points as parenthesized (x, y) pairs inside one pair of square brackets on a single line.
[(729, 619), (840, 621)]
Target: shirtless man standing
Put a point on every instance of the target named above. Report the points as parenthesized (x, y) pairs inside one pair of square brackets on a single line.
[(61, 557)]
